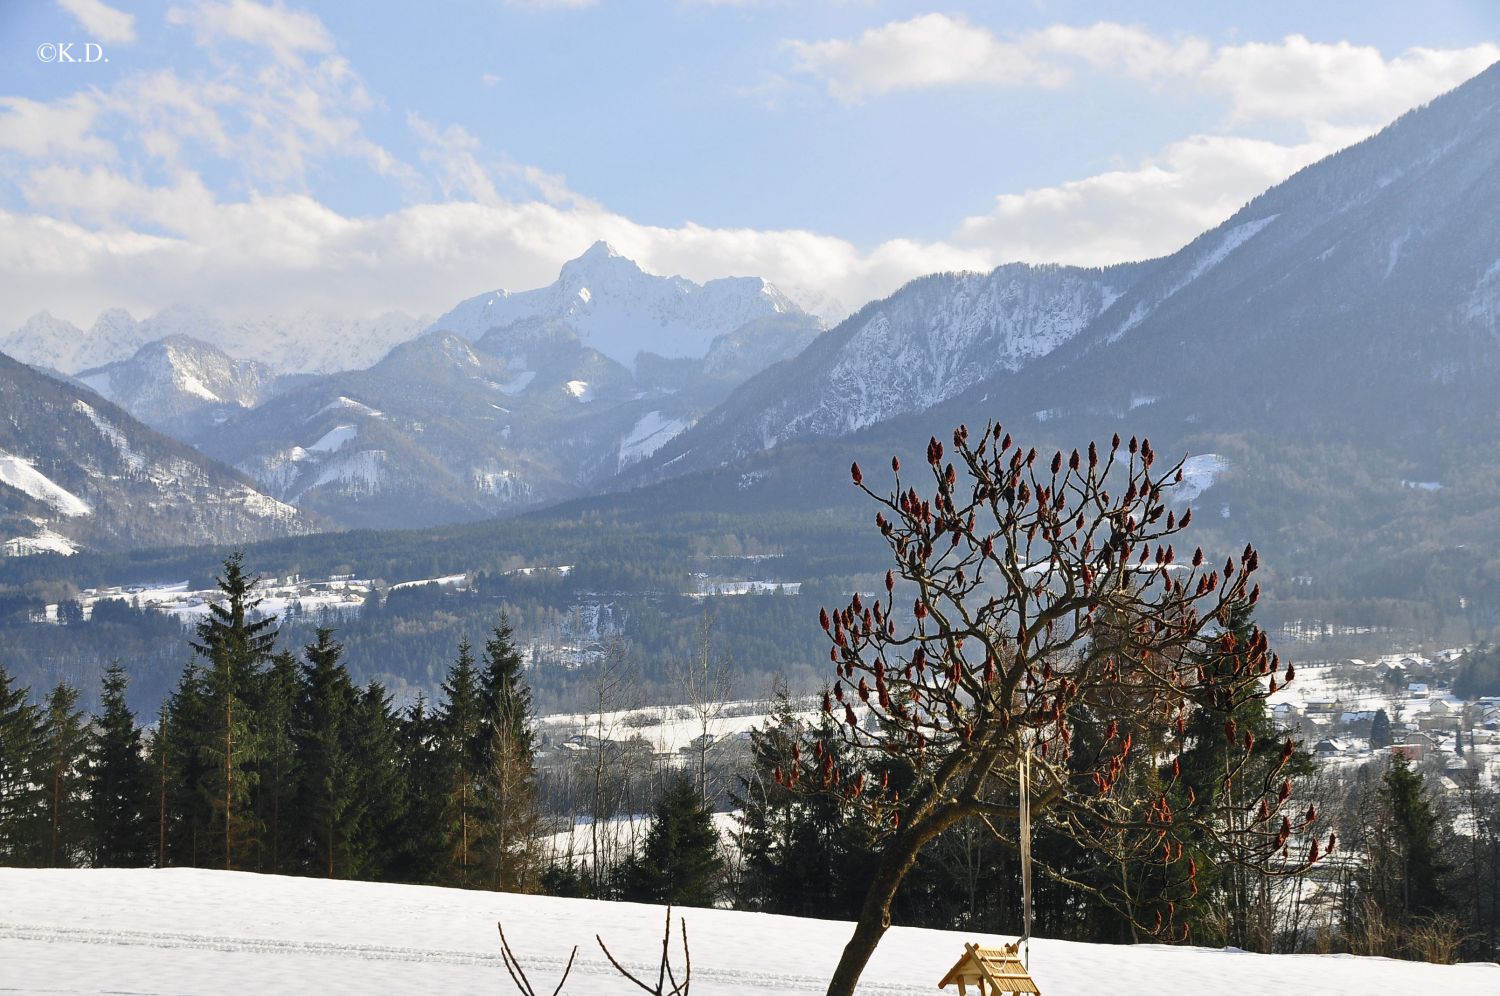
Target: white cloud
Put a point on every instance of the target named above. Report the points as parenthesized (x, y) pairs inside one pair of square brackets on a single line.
[(1313, 83), (63, 128), (935, 50), (1137, 213), (1300, 80), (452, 152), (288, 253), (278, 29), (928, 51), (103, 22)]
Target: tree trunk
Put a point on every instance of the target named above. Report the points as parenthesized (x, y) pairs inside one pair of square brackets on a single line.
[(875, 915), (228, 779), (161, 811)]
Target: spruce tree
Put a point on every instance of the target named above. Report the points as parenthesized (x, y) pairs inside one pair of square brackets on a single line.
[(276, 778), (507, 767), (121, 813), (1407, 870), (680, 863), (421, 840), (20, 789), (460, 748), (234, 646), (380, 783), (159, 759), (61, 758), (183, 757), (1380, 730), (328, 803)]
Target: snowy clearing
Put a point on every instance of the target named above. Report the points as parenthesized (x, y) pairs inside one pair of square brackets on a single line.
[(1198, 475), (21, 475), (334, 438), (650, 434), (518, 383), (45, 541), (191, 931)]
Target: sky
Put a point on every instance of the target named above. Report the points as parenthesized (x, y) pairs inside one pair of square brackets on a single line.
[(349, 159)]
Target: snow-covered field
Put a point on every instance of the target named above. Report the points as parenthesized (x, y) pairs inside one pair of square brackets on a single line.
[(189, 931)]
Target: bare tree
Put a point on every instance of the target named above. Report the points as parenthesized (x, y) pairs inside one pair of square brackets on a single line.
[(611, 678), (705, 683), (1051, 626)]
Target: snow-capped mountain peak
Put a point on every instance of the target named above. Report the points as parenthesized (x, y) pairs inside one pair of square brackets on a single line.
[(622, 311)]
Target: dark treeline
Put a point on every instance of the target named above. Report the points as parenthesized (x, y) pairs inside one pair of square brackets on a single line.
[(405, 640), (265, 760)]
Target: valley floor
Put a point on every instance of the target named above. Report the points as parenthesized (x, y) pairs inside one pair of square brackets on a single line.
[(190, 931)]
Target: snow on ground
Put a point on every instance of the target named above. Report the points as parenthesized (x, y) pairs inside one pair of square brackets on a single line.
[(334, 438), (21, 475), (518, 383), (581, 390), (1231, 241), (669, 728), (112, 432), (621, 835), (446, 581), (342, 402), (650, 434), (340, 596), (45, 541), (192, 385), (709, 587), (1198, 475), (193, 931)]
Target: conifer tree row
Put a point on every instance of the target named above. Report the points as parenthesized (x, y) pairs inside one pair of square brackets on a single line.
[(261, 760)]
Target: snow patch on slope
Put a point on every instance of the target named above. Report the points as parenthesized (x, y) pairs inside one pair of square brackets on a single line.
[(650, 434), (19, 473), (1232, 240), (334, 439), (111, 432), (45, 541), (1199, 473), (518, 383), (342, 403)]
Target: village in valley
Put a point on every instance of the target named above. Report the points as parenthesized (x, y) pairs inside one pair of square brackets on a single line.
[(1351, 711)]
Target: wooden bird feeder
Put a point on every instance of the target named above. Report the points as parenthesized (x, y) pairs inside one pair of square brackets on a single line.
[(992, 971)]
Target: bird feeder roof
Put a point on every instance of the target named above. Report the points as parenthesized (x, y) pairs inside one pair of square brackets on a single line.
[(1000, 967)]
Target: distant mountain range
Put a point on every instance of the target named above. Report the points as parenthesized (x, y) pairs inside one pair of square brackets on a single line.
[(509, 402), (309, 343), (76, 471), (1327, 356)]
